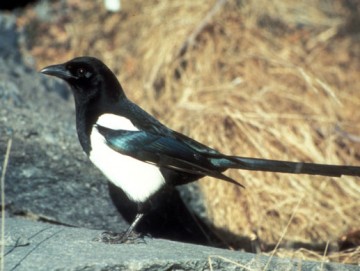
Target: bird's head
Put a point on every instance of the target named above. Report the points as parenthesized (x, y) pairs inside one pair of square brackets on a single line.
[(88, 77)]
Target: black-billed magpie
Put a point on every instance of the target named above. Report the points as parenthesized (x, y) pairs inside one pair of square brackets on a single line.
[(139, 154)]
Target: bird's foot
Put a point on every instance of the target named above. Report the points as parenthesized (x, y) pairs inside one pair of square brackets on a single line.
[(109, 237)]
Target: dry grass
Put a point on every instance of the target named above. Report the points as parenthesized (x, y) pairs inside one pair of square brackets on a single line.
[(2, 195), (276, 81)]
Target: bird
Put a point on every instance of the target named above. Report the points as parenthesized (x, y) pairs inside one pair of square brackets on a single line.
[(142, 156)]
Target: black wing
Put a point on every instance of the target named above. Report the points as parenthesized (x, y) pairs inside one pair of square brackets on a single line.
[(163, 151)]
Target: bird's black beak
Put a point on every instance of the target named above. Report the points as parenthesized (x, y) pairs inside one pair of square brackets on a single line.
[(59, 71)]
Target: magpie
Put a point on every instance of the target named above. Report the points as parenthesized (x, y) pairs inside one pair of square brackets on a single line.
[(142, 156)]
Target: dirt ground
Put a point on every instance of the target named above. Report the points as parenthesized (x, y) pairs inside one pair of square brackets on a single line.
[(277, 80)]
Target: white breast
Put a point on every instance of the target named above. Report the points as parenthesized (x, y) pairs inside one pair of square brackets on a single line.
[(139, 180)]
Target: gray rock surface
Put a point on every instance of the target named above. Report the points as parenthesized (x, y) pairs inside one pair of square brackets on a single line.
[(48, 174), (74, 249)]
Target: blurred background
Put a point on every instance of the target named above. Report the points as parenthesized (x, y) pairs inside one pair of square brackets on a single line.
[(270, 79)]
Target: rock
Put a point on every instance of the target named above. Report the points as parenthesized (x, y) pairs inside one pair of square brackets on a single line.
[(29, 246), (48, 175), (9, 37)]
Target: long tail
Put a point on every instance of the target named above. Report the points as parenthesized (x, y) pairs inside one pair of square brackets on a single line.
[(289, 167)]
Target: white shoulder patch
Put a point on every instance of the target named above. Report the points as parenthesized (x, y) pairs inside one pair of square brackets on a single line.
[(116, 122)]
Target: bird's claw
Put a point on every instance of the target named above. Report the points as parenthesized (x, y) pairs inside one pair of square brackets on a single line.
[(109, 237)]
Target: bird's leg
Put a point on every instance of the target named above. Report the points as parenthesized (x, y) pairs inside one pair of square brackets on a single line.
[(131, 228), (129, 236)]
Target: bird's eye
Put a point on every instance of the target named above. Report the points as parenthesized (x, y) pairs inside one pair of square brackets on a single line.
[(81, 71)]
